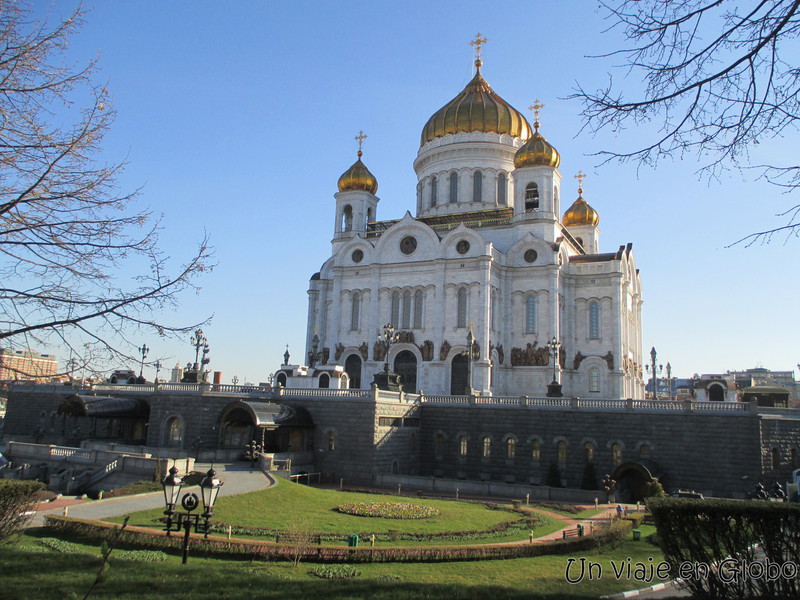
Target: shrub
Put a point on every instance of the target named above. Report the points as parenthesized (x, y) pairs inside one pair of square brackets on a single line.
[(335, 571), (17, 501)]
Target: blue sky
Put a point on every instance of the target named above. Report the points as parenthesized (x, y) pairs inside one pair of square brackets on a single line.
[(238, 118)]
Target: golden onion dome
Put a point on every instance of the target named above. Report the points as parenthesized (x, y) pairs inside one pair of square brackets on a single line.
[(358, 177), (476, 108), (580, 213), (537, 151)]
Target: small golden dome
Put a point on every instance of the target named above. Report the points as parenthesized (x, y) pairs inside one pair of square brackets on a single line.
[(580, 213), (537, 151), (476, 108), (358, 177)]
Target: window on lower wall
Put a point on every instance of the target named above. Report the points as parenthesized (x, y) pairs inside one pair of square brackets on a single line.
[(390, 422), (487, 447), (331, 441), (463, 445), (511, 448)]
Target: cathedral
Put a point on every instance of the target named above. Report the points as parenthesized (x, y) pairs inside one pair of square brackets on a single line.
[(490, 288)]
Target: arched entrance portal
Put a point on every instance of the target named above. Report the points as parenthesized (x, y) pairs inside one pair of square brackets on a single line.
[(632, 479), (459, 373), (405, 365), (716, 393), (352, 366), (277, 428)]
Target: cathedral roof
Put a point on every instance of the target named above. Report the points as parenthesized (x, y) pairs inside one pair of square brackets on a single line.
[(476, 108), (537, 151), (358, 177), (580, 213)]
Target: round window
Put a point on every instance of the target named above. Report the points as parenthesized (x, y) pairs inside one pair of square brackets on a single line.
[(530, 255), (462, 247), (408, 244), (357, 256)]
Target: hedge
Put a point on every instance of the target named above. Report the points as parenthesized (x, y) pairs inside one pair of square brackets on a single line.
[(706, 541), (258, 550)]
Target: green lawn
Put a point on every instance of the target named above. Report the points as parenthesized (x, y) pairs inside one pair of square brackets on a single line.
[(300, 507), (44, 574)]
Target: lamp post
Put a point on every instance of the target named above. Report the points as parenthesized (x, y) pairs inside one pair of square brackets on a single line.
[(554, 387), (669, 381), (314, 356), (200, 342), (186, 519), (651, 368), (158, 368), (252, 452), (143, 351), (386, 380)]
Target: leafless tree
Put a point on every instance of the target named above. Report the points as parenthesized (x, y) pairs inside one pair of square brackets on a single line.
[(718, 77), (78, 264)]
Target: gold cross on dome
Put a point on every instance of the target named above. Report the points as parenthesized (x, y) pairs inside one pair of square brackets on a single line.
[(478, 42), (360, 139), (580, 177), (536, 107)]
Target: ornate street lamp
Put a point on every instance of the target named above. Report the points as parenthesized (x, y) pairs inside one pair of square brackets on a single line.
[(314, 356), (386, 380), (651, 368), (554, 387), (158, 366), (143, 351), (252, 452), (200, 342), (669, 381), (186, 519)]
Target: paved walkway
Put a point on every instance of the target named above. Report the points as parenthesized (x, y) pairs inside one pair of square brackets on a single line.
[(238, 478)]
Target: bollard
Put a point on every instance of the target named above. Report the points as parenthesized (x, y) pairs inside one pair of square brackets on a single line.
[(341, 484), (527, 499), (398, 488), (372, 540), (595, 502), (456, 493), (531, 536), (230, 530), (66, 510)]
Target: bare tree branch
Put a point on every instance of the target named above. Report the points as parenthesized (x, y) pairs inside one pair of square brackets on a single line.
[(718, 76), (76, 263)]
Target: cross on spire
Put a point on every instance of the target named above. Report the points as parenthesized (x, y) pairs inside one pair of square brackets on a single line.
[(536, 107), (360, 139), (477, 43), (580, 176)]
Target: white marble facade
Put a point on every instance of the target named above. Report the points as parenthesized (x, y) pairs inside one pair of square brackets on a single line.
[(487, 250)]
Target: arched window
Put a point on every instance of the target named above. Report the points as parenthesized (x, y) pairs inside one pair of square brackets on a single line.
[(461, 317), (487, 447), (281, 379), (418, 305), (616, 454), (531, 197), (536, 451), (644, 450), (347, 218), (406, 309), (370, 216), (395, 317), (561, 451), (354, 311), (511, 448), (588, 451), (594, 320), (501, 188), (594, 380), (325, 381), (463, 445), (434, 186), (174, 432), (477, 186), (331, 441), (439, 444), (530, 314), (352, 366), (453, 188)]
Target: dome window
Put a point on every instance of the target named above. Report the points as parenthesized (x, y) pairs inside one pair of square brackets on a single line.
[(453, 188), (501, 188), (477, 185), (434, 185), (347, 218), (531, 197)]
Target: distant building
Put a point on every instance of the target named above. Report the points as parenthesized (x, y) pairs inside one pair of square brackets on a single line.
[(765, 377), (27, 365)]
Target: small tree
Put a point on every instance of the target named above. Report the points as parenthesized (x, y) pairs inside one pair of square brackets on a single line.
[(17, 500), (654, 489)]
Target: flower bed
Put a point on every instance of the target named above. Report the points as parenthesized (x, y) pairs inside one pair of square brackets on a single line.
[(388, 510)]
